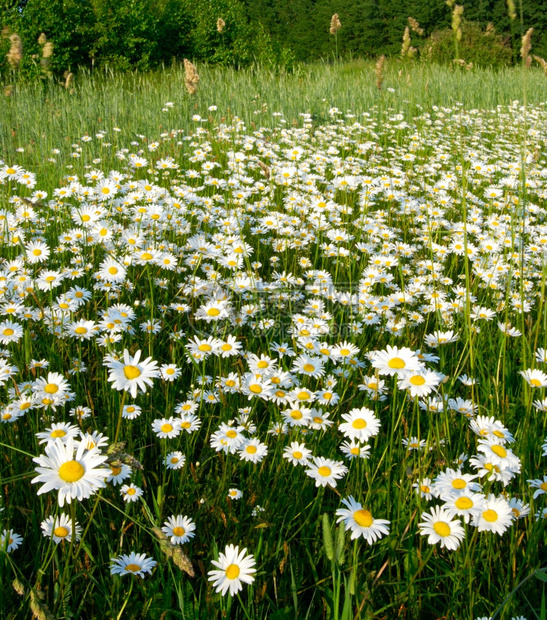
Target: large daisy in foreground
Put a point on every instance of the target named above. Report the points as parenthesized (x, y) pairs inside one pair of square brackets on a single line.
[(75, 476), (234, 568)]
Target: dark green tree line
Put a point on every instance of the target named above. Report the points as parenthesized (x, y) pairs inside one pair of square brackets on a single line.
[(131, 34)]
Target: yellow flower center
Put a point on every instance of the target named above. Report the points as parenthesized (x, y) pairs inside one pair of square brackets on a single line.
[(166, 428), (146, 256), (324, 471), (363, 517), (297, 454), (131, 491), (490, 515), (464, 503), (251, 449), (535, 382), (303, 395), (417, 380), (396, 362), (174, 459), (255, 388), (459, 483), (296, 414), (359, 423), (226, 347), (131, 372), (441, 528), (81, 330), (8, 332), (424, 488), (543, 486), (205, 347), (499, 451), (113, 270), (58, 433), (133, 568), (232, 572), (309, 367), (179, 531), (61, 532), (231, 434), (71, 471), (51, 388), (213, 312)]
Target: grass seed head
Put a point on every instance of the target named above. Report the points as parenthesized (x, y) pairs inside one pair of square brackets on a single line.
[(335, 24), (15, 54), (191, 77)]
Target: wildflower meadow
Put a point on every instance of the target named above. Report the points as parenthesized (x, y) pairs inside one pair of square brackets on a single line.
[(275, 347)]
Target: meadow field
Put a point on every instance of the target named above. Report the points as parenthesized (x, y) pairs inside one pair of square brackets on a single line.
[(276, 349)]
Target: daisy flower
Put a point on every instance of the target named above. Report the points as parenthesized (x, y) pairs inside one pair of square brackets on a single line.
[(498, 454), (9, 541), (131, 412), (131, 492), (253, 450), (360, 424), (174, 460), (496, 516), (132, 564), (60, 528), (394, 360), (166, 427), (539, 485), (179, 529), (234, 568), (439, 527), (361, 522), (535, 378), (60, 430), (131, 374), (235, 494), (467, 505), (325, 471), (419, 383), (297, 453), (353, 449), (425, 489), (118, 473), (518, 508), (453, 481), (75, 476)]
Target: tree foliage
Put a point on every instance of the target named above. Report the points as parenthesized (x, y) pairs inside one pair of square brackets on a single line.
[(131, 34)]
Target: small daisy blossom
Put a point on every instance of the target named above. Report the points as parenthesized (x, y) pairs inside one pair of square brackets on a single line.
[(9, 541), (174, 460), (179, 529), (132, 564), (297, 453), (131, 492), (496, 516), (361, 522), (360, 424), (60, 528), (234, 568), (131, 374), (439, 527), (325, 471)]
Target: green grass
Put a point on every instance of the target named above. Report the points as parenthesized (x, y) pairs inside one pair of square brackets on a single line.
[(453, 124)]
